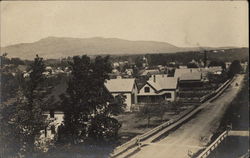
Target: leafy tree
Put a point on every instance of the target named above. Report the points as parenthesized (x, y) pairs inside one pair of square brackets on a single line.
[(138, 62), (135, 71), (87, 100), (25, 119), (148, 111), (17, 61), (9, 85), (4, 59), (125, 66), (76, 111), (234, 68)]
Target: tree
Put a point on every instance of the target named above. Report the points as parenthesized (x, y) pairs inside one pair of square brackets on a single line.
[(138, 62), (25, 120), (234, 68), (17, 61), (87, 100), (148, 111)]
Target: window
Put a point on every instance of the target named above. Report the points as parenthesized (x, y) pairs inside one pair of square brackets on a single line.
[(168, 95), (146, 90), (53, 129)]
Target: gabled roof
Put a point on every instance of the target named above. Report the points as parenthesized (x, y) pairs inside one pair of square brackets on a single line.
[(191, 76), (150, 72), (120, 85), (162, 82), (190, 71)]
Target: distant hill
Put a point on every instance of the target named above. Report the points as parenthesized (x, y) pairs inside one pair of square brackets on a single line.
[(56, 47)]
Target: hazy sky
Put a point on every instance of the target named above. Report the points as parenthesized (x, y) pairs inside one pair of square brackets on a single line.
[(209, 23)]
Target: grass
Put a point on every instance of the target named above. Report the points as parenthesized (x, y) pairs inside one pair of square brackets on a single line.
[(133, 125)]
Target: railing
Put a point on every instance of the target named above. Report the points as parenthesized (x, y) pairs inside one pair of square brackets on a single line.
[(213, 146), (133, 142), (217, 92)]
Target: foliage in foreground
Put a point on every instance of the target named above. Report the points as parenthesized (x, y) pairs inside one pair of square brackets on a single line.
[(22, 117), (88, 106)]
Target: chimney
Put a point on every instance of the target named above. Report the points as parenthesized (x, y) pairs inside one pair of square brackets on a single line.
[(154, 78)]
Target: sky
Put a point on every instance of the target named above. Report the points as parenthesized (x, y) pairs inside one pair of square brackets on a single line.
[(181, 23)]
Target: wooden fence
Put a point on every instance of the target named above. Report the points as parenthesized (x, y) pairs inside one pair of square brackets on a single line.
[(213, 146)]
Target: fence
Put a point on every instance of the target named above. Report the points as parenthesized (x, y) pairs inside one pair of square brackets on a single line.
[(213, 146), (133, 142), (217, 92)]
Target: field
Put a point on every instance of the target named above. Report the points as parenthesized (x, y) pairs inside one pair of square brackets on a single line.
[(133, 125)]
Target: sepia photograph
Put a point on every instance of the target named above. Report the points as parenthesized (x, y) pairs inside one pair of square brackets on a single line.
[(124, 79)]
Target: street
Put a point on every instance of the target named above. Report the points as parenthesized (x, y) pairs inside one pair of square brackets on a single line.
[(196, 133)]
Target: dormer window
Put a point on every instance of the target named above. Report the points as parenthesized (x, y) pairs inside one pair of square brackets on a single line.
[(146, 89)]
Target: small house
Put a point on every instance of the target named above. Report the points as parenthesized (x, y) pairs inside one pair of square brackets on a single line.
[(126, 87)]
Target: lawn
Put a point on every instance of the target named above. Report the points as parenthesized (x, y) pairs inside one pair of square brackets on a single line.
[(133, 125)]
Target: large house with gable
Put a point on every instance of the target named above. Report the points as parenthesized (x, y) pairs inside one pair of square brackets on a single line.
[(125, 86), (158, 88)]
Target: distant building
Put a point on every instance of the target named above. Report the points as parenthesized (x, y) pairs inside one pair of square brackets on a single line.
[(129, 72), (115, 64), (192, 79), (126, 87), (183, 67), (244, 66), (150, 72), (228, 64), (157, 88), (179, 72), (217, 70), (189, 77)]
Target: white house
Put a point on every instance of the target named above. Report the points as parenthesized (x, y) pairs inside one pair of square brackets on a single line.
[(55, 118), (158, 87), (125, 86)]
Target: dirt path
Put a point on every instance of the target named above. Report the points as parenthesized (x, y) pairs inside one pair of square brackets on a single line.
[(196, 133)]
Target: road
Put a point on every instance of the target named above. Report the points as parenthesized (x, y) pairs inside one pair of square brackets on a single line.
[(196, 133)]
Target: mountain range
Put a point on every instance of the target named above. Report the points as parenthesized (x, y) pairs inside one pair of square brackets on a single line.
[(57, 47)]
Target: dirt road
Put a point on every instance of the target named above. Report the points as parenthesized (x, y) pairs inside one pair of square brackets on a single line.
[(196, 133)]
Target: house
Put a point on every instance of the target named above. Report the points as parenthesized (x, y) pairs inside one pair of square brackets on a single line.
[(129, 72), (115, 64), (183, 67), (125, 86), (56, 119), (191, 79), (157, 88), (216, 70), (150, 72), (179, 72), (228, 64), (244, 66)]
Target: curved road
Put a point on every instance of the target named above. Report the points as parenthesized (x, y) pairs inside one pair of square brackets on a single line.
[(196, 133)]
